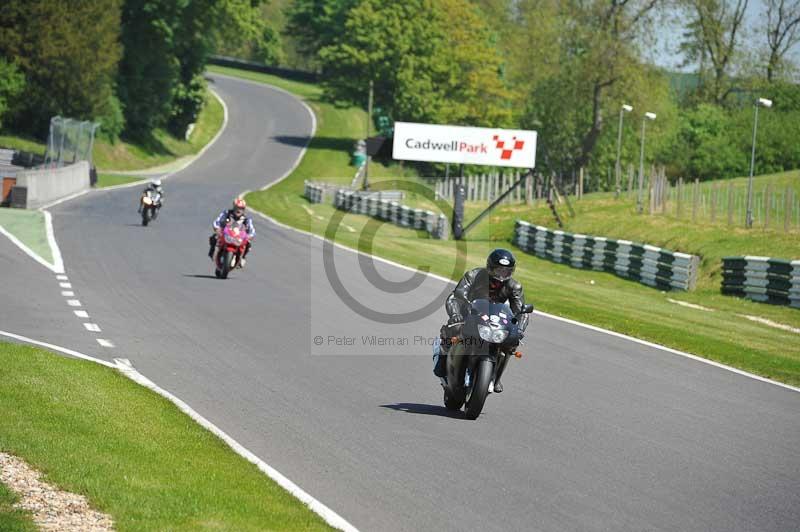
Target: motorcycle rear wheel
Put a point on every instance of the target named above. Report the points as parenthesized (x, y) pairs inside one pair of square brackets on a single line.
[(480, 388)]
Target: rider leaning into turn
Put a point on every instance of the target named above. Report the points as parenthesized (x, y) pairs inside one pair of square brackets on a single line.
[(494, 282), (154, 186), (234, 214)]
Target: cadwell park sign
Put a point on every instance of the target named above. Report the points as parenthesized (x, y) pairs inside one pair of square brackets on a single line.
[(464, 145)]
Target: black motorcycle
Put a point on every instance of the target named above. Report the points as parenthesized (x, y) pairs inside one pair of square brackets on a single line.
[(151, 203), (490, 332)]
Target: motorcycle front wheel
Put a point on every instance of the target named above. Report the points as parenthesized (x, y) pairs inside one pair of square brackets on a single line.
[(225, 264), (484, 371), (145, 216), (452, 403)]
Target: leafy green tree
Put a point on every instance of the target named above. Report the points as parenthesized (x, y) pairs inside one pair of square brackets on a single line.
[(12, 83), (167, 44), (588, 65), (713, 39), (315, 24), (68, 52), (424, 67)]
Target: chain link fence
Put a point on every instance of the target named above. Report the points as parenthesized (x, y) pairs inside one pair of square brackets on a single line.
[(69, 141)]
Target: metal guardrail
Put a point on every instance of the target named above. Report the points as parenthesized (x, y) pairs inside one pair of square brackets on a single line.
[(288, 73), (649, 265), (762, 279)]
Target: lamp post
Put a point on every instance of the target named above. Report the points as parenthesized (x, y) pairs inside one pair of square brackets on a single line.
[(625, 109), (645, 118), (761, 102)]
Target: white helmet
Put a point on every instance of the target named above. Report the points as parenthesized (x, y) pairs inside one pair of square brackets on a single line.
[(157, 183)]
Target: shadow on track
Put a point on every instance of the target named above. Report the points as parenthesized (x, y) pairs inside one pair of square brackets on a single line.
[(200, 276), (427, 410)]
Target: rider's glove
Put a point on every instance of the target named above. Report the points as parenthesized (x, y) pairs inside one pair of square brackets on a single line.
[(455, 318)]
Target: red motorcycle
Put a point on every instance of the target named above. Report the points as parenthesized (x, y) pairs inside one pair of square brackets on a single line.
[(231, 245)]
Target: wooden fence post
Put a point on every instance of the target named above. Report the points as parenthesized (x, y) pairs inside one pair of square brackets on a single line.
[(630, 180), (679, 198), (730, 203), (767, 204), (695, 191), (714, 202), (787, 209)]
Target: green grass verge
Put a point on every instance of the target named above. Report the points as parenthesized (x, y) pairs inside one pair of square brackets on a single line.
[(722, 334), (110, 180), (22, 143), (27, 226), (13, 519), (92, 431), (159, 149)]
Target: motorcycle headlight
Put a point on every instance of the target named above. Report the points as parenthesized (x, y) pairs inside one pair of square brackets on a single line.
[(499, 335), (485, 332), (495, 336)]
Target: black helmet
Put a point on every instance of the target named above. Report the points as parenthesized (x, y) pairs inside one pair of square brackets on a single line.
[(501, 264)]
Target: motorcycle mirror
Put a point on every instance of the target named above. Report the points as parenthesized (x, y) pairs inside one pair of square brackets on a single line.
[(527, 309)]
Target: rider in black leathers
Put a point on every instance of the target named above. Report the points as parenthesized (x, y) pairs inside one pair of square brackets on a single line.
[(494, 282)]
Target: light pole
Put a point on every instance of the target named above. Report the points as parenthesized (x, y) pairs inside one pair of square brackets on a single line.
[(625, 109), (645, 118), (761, 102)]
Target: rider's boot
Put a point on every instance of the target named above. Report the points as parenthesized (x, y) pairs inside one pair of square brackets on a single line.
[(440, 350), (212, 244), (498, 386)]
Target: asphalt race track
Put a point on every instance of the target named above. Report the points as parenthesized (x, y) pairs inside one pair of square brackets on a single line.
[(593, 432)]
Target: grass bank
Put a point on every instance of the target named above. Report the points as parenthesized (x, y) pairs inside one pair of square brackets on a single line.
[(13, 519), (721, 333), (28, 227), (133, 454), (111, 180), (160, 148)]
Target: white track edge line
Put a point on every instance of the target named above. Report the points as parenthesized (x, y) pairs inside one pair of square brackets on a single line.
[(125, 367), (28, 251), (53, 347)]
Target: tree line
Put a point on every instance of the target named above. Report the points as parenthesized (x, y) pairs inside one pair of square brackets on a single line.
[(132, 65), (562, 67), (565, 68)]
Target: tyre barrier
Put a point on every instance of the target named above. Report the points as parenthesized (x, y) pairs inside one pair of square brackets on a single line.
[(371, 204), (762, 279), (315, 193), (649, 265)]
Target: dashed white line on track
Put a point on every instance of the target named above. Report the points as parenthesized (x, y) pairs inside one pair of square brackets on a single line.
[(104, 343), (93, 327), (73, 303), (68, 293), (62, 277), (81, 313), (65, 285)]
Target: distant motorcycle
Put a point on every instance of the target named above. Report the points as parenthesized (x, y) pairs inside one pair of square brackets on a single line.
[(233, 243), (151, 204), (490, 331)]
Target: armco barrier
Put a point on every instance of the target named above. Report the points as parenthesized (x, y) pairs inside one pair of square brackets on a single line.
[(371, 204), (646, 264), (299, 75), (762, 279), (51, 184)]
